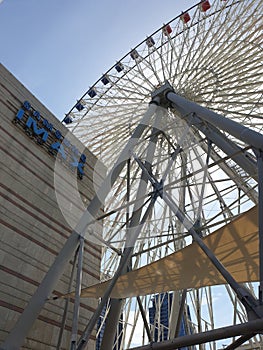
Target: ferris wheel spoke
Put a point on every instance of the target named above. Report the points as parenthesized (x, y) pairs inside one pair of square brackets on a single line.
[(223, 50)]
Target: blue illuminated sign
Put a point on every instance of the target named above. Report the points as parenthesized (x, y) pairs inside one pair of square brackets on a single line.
[(52, 139)]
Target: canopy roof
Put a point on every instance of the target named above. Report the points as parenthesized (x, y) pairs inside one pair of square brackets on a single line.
[(235, 245)]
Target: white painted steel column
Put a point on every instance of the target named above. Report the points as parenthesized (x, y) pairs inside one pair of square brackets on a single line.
[(75, 320), (235, 129), (248, 328)]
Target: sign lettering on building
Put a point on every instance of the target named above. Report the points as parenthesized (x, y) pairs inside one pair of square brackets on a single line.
[(44, 133)]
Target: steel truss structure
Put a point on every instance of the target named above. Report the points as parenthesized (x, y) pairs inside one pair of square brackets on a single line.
[(180, 117)]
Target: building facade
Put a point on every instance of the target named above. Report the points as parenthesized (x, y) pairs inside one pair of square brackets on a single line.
[(47, 180), (160, 314), (101, 329)]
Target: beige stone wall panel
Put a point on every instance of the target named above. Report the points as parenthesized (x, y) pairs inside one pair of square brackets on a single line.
[(33, 229)]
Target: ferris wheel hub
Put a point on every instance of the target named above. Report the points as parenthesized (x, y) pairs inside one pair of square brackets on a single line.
[(162, 92)]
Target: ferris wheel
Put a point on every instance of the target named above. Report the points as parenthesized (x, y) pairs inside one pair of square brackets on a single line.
[(203, 64)]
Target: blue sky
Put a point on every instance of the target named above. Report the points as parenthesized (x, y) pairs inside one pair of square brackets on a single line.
[(58, 48)]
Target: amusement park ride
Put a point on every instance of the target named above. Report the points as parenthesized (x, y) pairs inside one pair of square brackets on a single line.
[(178, 122)]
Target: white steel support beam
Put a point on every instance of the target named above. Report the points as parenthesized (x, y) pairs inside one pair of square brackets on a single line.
[(65, 313), (226, 145), (114, 313), (74, 332), (125, 258), (233, 128), (249, 328)]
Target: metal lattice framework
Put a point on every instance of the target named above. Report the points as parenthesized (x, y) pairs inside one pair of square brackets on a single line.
[(182, 171), (215, 60)]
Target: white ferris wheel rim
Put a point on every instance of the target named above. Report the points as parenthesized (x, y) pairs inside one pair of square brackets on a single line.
[(217, 64)]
